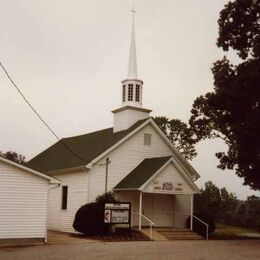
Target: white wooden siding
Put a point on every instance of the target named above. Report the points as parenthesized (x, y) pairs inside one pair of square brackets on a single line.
[(169, 174), (77, 183), (23, 203), (182, 210), (124, 159), (84, 187)]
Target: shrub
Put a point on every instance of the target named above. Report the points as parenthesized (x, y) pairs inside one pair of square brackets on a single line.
[(106, 197), (89, 218), (200, 228)]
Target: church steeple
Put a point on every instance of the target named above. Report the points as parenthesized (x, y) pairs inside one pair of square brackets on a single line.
[(131, 110), (132, 87), (132, 64)]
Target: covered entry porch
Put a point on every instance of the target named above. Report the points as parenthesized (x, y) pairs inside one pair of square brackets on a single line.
[(160, 210), (160, 192)]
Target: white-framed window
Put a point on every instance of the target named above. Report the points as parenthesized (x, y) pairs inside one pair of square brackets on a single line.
[(130, 92), (147, 139), (124, 92), (64, 197), (137, 93)]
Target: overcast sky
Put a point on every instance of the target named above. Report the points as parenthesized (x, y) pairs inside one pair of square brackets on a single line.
[(69, 57)]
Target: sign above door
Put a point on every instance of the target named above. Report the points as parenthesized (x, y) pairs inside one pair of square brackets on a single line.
[(168, 186)]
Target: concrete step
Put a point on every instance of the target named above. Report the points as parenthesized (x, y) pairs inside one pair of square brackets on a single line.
[(181, 235), (178, 234), (184, 238), (172, 230)]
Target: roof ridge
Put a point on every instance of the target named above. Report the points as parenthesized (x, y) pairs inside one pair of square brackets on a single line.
[(64, 138), (100, 130)]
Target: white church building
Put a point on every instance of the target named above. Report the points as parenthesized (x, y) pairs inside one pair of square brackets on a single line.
[(143, 167)]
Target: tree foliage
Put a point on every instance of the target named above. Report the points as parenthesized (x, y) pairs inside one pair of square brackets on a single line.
[(179, 134), (214, 201), (247, 214), (225, 208), (232, 111), (13, 156)]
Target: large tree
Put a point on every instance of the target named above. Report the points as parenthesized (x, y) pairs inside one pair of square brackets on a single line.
[(179, 133), (232, 111)]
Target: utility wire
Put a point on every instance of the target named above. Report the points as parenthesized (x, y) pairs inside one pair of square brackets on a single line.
[(40, 117)]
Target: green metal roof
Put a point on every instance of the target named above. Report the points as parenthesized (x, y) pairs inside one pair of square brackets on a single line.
[(87, 146), (143, 172)]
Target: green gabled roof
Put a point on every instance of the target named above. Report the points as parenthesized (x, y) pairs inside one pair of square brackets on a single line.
[(87, 146), (142, 173)]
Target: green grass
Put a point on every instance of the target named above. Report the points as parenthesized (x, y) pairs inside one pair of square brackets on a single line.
[(230, 232)]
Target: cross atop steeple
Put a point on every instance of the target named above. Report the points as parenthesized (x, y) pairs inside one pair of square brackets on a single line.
[(133, 10)]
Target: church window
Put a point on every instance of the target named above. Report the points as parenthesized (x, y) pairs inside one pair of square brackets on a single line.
[(64, 197), (123, 93), (147, 139), (137, 93), (130, 92)]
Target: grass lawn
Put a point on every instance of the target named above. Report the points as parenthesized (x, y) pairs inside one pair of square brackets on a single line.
[(230, 232)]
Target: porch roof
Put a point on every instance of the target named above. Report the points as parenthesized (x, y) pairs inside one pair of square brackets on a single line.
[(143, 172)]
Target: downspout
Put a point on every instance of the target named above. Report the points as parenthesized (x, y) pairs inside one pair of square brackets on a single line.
[(46, 217)]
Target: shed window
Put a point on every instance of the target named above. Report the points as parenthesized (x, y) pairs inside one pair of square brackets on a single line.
[(64, 197), (147, 139)]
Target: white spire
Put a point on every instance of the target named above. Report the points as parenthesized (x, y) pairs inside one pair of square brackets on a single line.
[(132, 65), (131, 110)]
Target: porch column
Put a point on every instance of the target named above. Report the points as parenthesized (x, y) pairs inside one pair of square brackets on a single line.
[(191, 211), (140, 210)]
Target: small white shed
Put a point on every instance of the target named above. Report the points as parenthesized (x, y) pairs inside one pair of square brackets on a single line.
[(23, 203)]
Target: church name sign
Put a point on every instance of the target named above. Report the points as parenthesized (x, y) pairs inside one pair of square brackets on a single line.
[(168, 186), (117, 213)]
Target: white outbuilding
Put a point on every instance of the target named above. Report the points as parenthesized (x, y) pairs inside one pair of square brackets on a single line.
[(23, 203)]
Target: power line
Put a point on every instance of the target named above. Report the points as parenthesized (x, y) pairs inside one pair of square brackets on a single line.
[(40, 117)]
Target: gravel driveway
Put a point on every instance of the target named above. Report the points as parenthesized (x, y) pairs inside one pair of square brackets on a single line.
[(228, 249)]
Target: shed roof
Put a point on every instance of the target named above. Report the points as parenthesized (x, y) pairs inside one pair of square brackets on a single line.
[(142, 173)]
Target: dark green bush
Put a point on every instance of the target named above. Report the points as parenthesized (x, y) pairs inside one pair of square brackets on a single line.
[(89, 219), (200, 228)]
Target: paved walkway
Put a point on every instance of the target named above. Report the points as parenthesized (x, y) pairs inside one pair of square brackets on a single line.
[(155, 234), (190, 250), (55, 237)]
